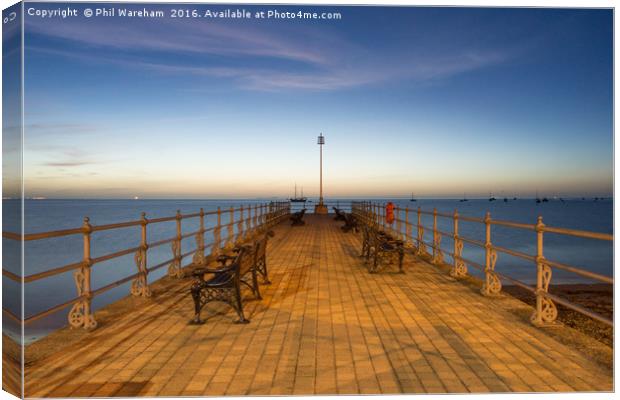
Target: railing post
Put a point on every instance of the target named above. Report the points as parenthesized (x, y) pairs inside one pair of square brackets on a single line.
[(174, 269), (230, 229), (255, 218), (383, 215), (199, 255), (399, 225), (283, 209), (545, 312), (459, 268), (437, 254), (364, 211), (371, 212), (492, 284), (81, 314), (377, 216), (268, 211), (240, 231), (421, 245), (248, 223), (408, 234), (139, 286), (217, 235)]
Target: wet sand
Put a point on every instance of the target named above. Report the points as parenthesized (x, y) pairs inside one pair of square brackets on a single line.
[(595, 297)]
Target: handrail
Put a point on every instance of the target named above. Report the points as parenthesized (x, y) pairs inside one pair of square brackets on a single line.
[(545, 312), (579, 233), (41, 235), (247, 219), (532, 227), (74, 231), (11, 275), (52, 272)]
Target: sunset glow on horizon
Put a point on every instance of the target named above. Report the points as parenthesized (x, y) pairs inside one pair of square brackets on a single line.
[(440, 102)]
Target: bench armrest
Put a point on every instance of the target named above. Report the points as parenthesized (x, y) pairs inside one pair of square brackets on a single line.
[(228, 257), (225, 257), (199, 272)]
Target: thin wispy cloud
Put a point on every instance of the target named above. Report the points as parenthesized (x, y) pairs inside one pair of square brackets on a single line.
[(185, 37), (59, 128), (68, 163), (333, 78), (322, 61)]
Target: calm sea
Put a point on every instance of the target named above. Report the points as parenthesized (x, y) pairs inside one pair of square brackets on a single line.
[(46, 215)]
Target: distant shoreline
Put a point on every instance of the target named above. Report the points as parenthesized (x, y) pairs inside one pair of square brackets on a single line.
[(311, 198)]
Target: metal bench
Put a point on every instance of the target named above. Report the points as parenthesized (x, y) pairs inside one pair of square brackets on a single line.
[(297, 218), (386, 251), (260, 256), (225, 285), (382, 248), (350, 223), (366, 236), (340, 215)]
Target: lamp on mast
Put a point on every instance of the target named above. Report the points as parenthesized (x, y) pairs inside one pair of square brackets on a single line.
[(320, 208)]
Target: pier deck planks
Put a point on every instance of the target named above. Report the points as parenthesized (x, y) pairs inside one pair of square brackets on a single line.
[(324, 326)]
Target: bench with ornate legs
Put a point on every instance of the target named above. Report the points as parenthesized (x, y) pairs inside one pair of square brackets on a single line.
[(366, 235), (297, 218), (225, 285), (340, 215), (386, 250), (350, 223), (260, 256), (382, 248)]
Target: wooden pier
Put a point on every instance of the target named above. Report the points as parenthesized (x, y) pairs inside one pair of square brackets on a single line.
[(324, 326)]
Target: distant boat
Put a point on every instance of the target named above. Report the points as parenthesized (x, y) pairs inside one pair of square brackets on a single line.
[(545, 200), (463, 199), (505, 200), (537, 198), (412, 198), (514, 198), (491, 198), (296, 199)]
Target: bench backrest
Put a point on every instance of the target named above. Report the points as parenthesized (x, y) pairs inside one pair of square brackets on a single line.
[(245, 259), (261, 246)]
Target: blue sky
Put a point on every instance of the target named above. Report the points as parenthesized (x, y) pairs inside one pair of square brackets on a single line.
[(438, 101)]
